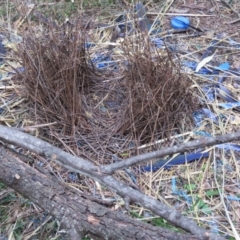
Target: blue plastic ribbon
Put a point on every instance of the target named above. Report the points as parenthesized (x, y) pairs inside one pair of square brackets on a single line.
[(229, 105), (180, 159)]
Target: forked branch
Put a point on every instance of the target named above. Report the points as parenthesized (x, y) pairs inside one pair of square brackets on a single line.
[(84, 167)]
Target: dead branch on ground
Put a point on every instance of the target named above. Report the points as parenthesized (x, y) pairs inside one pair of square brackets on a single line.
[(71, 162), (78, 215)]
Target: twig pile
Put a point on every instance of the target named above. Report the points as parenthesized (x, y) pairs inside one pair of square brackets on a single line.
[(103, 112), (158, 95), (57, 75)]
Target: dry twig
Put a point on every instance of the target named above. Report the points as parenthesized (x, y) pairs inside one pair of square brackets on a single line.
[(84, 167)]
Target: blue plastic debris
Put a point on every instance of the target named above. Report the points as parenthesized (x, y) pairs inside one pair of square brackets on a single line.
[(180, 193), (210, 92), (158, 42), (229, 105), (234, 72), (227, 146), (233, 198), (89, 45), (17, 70), (232, 42), (226, 94), (202, 133), (103, 62), (210, 115), (155, 27), (2, 51), (180, 23), (213, 226), (72, 176), (224, 66), (198, 117), (180, 159)]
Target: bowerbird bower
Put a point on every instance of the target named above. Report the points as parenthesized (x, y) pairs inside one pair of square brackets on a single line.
[(140, 96)]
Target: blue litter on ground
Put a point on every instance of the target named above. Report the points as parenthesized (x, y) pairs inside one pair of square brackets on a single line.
[(2, 51), (198, 117), (180, 159), (233, 198), (213, 226), (102, 61), (72, 176), (180, 193), (180, 22), (224, 66), (229, 146), (229, 105), (210, 115)]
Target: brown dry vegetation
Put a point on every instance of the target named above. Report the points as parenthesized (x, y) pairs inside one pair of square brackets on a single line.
[(97, 114), (146, 99)]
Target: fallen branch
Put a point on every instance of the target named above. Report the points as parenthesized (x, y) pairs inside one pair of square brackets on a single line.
[(77, 164), (192, 145), (47, 150), (77, 214)]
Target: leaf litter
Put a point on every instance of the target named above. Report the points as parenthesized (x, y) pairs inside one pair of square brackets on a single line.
[(92, 88)]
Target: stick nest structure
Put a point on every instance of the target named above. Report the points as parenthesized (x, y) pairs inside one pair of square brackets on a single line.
[(104, 98), (141, 97)]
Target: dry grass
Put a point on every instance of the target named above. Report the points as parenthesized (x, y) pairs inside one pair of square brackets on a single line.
[(101, 114)]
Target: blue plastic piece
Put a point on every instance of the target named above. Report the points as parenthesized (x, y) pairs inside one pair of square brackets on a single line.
[(158, 42), (103, 62), (233, 198), (227, 146), (202, 133), (210, 92), (89, 45), (180, 159), (224, 66), (72, 176), (2, 51), (213, 226), (229, 105), (180, 193), (180, 23), (210, 115), (198, 117)]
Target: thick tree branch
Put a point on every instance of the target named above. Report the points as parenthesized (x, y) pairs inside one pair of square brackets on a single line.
[(192, 145), (34, 144), (77, 215), (45, 149)]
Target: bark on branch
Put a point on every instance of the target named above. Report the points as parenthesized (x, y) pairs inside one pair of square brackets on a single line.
[(77, 215), (84, 167)]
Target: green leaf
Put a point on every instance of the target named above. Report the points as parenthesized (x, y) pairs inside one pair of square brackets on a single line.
[(212, 193), (200, 203), (190, 187), (206, 209)]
